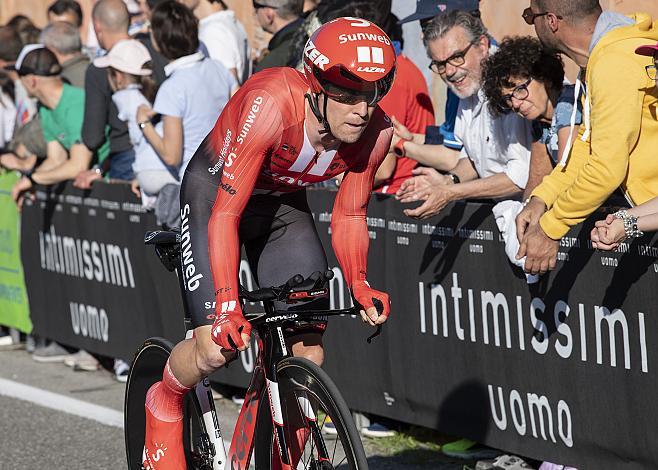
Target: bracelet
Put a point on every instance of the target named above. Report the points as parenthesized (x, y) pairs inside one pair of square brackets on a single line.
[(455, 178), (398, 148), (630, 223), (143, 124)]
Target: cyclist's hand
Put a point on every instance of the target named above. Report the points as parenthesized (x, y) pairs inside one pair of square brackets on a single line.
[(231, 331), (366, 296)]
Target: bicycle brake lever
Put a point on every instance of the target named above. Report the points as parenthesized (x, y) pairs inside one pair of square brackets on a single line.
[(377, 332)]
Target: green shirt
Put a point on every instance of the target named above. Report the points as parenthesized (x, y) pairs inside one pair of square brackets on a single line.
[(64, 123)]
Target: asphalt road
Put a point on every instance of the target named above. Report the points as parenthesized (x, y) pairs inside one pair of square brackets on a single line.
[(42, 424)]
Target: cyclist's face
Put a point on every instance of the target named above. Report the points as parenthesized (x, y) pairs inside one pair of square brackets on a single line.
[(348, 116)]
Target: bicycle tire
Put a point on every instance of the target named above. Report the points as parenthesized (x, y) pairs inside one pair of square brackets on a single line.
[(295, 374), (146, 369)]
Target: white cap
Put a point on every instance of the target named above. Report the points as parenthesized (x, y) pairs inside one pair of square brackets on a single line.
[(128, 56)]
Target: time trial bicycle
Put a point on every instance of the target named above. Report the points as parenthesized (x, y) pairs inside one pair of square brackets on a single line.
[(287, 405)]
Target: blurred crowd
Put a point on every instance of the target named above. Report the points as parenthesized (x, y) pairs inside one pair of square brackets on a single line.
[(134, 100)]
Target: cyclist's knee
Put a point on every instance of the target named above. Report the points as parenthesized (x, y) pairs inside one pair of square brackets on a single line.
[(208, 355), (308, 346)]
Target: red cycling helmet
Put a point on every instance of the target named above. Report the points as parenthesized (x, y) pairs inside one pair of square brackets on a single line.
[(352, 54)]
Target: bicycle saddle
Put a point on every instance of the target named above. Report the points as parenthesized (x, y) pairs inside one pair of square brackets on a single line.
[(162, 237)]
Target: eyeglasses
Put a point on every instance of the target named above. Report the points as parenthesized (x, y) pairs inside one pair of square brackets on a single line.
[(652, 72), (457, 60), (257, 6), (530, 17), (519, 92)]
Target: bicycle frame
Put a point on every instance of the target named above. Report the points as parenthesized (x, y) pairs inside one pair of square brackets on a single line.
[(272, 348)]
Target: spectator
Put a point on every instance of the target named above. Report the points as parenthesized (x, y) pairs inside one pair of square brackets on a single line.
[(26, 144), (128, 70), (310, 5), (111, 20), (495, 157), (281, 18), (194, 94), (63, 39), (7, 110), (437, 146), (222, 36), (158, 60), (20, 23), (610, 149), (27, 31), (68, 11), (622, 225), (524, 77), (61, 113)]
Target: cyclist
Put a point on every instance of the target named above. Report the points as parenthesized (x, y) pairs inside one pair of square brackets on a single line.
[(281, 132)]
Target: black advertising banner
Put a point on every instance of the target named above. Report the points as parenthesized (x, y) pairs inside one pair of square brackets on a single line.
[(564, 370), (91, 282)]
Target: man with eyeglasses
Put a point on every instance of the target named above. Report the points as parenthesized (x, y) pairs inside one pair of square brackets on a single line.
[(495, 157), (616, 142), (281, 18)]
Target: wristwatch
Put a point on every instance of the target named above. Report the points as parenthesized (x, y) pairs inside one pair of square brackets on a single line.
[(398, 148), (455, 178)]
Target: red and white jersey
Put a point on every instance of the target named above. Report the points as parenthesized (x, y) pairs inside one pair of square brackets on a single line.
[(259, 145)]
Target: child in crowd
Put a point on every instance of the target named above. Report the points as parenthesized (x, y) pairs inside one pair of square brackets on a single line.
[(129, 75)]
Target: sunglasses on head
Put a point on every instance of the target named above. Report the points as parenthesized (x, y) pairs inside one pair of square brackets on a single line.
[(530, 17), (257, 6)]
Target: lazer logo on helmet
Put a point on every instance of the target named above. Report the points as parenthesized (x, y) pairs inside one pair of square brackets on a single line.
[(319, 59), (371, 69)]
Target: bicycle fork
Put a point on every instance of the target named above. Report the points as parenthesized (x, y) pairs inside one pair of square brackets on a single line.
[(212, 439), (277, 415)]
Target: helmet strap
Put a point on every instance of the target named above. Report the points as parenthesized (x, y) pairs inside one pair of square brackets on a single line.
[(313, 102)]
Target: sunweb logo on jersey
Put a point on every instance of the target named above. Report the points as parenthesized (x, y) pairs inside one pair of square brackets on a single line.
[(192, 277)]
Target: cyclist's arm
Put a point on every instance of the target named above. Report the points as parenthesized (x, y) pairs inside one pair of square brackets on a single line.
[(245, 165), (349, 232)]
